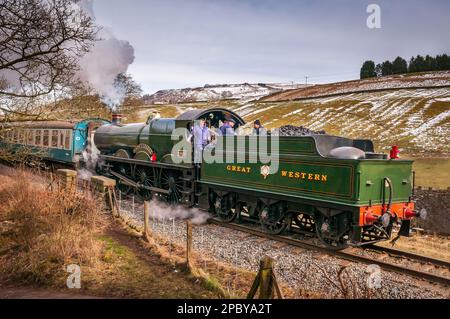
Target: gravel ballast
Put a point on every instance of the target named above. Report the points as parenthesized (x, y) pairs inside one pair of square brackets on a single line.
[(297, 268)]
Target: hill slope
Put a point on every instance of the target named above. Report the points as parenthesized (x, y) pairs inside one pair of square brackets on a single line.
[(245, 91), (393, 82), (416, 117)]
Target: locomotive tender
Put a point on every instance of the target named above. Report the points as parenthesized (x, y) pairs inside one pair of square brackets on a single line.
[(333, 187)]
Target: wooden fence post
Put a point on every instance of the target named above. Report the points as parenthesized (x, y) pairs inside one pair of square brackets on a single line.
[(147, 232), (188, 243), (266, 281)]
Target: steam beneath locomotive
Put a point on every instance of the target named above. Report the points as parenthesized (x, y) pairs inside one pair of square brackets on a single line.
[(162, 211)]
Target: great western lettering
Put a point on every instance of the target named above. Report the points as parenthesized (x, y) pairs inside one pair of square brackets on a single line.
[(305, 176)]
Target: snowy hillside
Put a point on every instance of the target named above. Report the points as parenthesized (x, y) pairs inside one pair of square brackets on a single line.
[(244, 92), (413, 80), (417, 120), (412, 110)]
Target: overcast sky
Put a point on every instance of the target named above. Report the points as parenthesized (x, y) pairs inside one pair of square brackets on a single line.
[(186, 43)]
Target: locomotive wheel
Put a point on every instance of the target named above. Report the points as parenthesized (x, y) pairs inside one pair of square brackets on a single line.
[(304, 222), (171, 181), (273, 219), (146, 177), (125, 170), (332, 242)]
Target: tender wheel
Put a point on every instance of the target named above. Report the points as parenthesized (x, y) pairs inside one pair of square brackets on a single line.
[(224, 209), (172, 182), (328, 231), (273, 219), (304, 222)]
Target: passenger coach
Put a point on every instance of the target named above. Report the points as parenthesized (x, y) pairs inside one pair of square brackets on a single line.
[(57, 141)]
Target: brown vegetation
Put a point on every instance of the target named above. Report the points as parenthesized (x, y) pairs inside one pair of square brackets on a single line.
[(44, 230)]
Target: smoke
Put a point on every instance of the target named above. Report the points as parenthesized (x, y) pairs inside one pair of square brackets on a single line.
[(90, 160), (160, 210), (107, 58)]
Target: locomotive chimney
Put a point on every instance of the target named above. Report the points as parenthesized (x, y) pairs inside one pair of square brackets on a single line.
[(116, 119)]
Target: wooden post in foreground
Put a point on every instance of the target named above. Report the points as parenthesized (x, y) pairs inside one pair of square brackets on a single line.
[(188, 243), (147, 232), (266, 281)]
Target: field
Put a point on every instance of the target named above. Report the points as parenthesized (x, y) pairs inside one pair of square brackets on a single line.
[(432, 172)]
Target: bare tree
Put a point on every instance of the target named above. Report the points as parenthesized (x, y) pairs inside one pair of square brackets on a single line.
[(41, 42)]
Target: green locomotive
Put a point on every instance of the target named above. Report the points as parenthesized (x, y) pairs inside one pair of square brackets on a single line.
[(333, 187)]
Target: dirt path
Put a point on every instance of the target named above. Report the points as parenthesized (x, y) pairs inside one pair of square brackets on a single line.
[(9, 292), (137, 273)]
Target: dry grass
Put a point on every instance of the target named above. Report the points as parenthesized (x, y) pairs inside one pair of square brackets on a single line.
[(226, 280), (434, 246), (43, 230), (432, 172)]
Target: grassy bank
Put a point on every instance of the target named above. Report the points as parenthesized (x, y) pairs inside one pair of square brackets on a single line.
[(42, 231), (432, 172)]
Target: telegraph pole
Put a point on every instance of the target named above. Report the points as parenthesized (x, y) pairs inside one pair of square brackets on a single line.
[(306, 80)]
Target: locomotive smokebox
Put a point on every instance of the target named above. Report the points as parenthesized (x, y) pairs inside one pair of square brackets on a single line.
[(116, 119)]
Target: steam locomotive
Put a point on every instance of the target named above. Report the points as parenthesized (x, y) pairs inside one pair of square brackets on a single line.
[(327, 186), (332, 187)]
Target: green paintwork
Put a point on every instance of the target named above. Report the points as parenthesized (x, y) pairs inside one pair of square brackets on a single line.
[(303, 174), (371, 177)]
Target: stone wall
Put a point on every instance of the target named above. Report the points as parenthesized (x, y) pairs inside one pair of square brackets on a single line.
[(437, 204)]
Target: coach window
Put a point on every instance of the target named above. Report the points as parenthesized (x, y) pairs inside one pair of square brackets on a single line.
[(38, 141), (55, 136), (30, 137), (61, 139), (45, 138), (21, 139), (67, 140)]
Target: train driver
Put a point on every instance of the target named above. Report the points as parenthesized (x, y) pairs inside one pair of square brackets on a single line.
[(258, 129), (228, 127)]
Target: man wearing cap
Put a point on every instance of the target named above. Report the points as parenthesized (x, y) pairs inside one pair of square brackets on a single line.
[(258, 129), (228, 127)]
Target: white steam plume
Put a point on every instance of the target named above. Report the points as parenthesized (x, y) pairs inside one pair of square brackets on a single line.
[(161, 210), (107, 58)]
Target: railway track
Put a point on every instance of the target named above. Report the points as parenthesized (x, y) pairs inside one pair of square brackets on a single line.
[(352, 254)]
